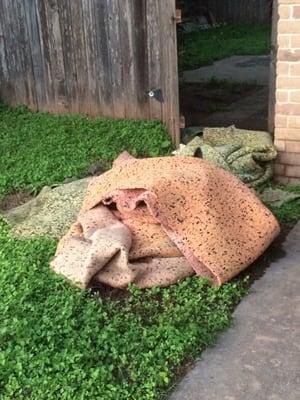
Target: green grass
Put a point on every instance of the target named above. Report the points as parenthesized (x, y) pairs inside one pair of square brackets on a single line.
[(289, 212), (204, 47), (40, 149), (58, 342)]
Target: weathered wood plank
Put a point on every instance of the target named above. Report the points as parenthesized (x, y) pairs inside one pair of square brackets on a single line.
[(36, 53), (100, 57), (115, 57), (141, 57), (104, 71), (128, 45), (68, 53), (25, 58), (171, 115), (91, 50), (79, 50), (5, 94), (15, 87), (56, 60), (43, 33), (155, 65)]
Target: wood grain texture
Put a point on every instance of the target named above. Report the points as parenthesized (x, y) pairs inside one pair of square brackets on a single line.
[(97, 57)]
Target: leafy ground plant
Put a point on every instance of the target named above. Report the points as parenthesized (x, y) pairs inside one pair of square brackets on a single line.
[(206, 46), (40, 149), (289, 212), (58, 342)]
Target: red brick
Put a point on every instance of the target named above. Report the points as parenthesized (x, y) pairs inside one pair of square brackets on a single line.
[(295, 68), (292, 146), (279, 169), (288, 109), (293, 170), (287, 83), (287, 133), (281, 121), (284, 41), (294, 122), (288, 2), (288, 26), (282, 96), (296, 11), (295, 96), (284, 11), (289, 158), (280, 145), (288, 55), (294, 41), (294, 181), (281, 179), (283, 68)]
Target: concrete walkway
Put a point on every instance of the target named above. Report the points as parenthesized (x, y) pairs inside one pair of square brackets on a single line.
[(251, 69), (259, 357)]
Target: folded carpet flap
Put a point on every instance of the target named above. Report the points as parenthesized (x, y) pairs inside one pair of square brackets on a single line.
[(97, 250)]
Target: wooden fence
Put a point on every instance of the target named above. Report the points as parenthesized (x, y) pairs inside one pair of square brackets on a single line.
[(99, 57)]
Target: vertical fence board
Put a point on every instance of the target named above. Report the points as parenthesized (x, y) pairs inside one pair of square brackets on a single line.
[(56, 54), (5, 94), (132, 109), (115, 57), (79, 55), (104, 70), (42, 26), (25, 58), (170, 68), (91, 52), (68, 55), (99, 57), (154, 54), (141, 58), (12, 87), (36, 54)]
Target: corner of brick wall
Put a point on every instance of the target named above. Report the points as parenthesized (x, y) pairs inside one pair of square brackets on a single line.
[(287, 93)]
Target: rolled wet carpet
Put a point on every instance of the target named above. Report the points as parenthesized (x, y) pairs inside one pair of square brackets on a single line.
[(154, 221)]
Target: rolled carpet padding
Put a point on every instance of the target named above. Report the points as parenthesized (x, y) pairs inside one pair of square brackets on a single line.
[(247, 154), (153, 221)]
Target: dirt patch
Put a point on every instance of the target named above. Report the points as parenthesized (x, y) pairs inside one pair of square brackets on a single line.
[(223, 104), (14, 200)]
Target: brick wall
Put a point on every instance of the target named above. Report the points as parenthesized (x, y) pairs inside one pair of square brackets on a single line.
[(287, 93)]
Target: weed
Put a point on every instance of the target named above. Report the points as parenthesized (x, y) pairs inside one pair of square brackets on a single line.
[(289, 212), (40, 149), (57, 341)]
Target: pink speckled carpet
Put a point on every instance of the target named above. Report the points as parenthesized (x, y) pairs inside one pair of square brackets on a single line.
[(155, 221)]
